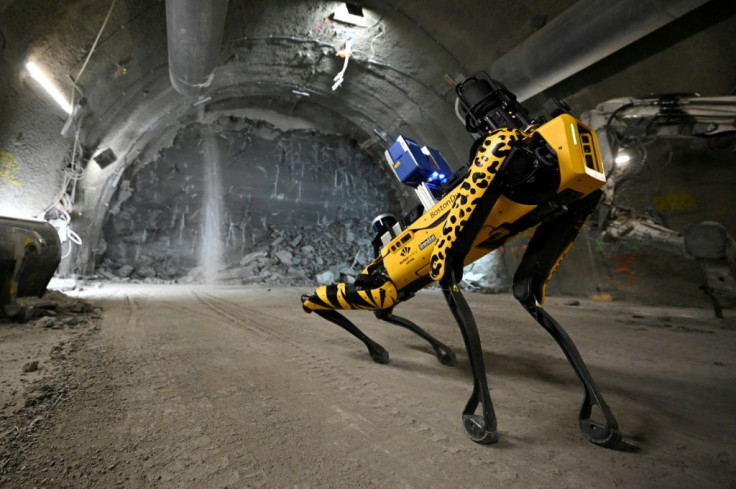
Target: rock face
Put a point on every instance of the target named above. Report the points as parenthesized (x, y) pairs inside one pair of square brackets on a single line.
[(489, 275), (322, 255), (281, 189)]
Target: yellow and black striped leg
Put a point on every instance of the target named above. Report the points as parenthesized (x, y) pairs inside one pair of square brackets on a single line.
[(370, 292), (480, 429), (444, 353), (377, 352)]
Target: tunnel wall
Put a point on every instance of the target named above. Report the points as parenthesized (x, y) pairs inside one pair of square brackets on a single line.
[(57, 36), (400, 81), (31, 147)]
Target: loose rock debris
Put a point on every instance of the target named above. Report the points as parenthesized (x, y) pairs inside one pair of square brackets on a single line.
[(303, 255), (37, 359)]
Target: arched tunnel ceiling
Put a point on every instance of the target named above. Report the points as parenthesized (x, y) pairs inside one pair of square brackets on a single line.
[(277, 63)]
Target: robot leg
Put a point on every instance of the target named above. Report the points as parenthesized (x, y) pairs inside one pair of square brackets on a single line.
[(376, 351), (545, 251), (479, 428), (443, 352), (368, 293)]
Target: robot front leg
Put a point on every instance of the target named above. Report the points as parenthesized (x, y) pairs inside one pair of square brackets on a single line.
[(479, 428), (605, 434), (547, 248)]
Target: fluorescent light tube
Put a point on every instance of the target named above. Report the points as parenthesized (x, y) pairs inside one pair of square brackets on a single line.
[(41, 78)]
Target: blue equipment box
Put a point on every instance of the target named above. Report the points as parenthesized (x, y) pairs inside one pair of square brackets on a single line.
[(414, 165)]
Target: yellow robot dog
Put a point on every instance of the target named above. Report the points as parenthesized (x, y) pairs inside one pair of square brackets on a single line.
[(522, 173)]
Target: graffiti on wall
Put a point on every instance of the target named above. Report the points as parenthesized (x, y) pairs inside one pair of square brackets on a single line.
[(9, 168), (623, 273), (673, 202)]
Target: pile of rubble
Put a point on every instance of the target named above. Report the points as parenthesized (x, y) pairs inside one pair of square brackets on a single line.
[(54, 310), (38, 360), (302, 255)]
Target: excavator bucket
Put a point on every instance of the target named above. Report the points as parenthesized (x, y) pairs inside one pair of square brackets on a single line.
[(30, 251)]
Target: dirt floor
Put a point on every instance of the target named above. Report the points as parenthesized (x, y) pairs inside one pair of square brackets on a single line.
[(195, 387)]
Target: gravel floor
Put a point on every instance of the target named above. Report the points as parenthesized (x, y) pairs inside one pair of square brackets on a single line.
[(187, 386)]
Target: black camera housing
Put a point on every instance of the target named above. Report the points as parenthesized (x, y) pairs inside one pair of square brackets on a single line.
[(487, 105)]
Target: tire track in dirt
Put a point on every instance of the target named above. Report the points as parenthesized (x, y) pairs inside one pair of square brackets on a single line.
[(359, 392), (364, 399), (195, 454)]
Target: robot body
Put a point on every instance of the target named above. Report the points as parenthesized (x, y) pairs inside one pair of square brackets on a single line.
[(521, 175)]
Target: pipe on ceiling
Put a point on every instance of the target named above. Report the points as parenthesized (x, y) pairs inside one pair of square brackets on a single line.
[(194, 30), (585, 33)]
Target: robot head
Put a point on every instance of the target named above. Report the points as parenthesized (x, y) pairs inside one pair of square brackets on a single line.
[(485, 104)]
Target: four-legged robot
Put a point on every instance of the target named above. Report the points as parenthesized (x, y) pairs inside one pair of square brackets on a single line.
[(522, 173)]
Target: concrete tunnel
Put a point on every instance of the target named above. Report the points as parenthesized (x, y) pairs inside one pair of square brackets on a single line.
[(213, 153)]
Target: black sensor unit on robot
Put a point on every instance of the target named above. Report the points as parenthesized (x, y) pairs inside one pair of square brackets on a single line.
[(486, 104)]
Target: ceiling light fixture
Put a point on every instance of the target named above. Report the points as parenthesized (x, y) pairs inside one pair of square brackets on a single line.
[(38, 75), (105, 158), (350, 13), (622, 158)]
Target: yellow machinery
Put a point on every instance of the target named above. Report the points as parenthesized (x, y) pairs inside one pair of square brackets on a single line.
[(30, 251), (522, 173)]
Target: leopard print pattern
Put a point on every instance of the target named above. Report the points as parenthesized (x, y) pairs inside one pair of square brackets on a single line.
[(487, 161)]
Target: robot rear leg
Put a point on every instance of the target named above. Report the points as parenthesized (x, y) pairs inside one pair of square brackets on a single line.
[(368, 293), (443, 352), (376, 351), (371, 293)]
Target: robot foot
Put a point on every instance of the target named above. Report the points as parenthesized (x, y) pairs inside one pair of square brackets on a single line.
[(376, 351), (445, 355), (475, 427), (601, 434), (378, 354), (443, 352)]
